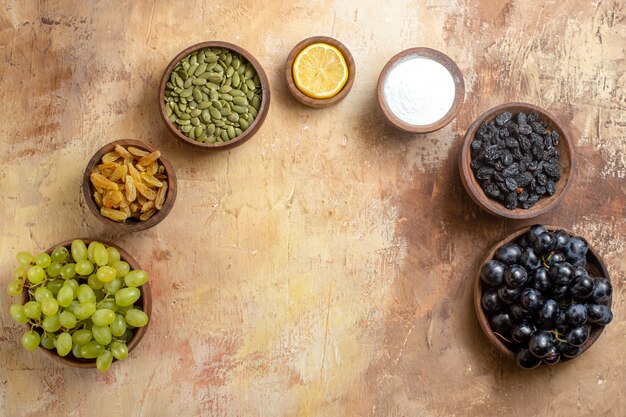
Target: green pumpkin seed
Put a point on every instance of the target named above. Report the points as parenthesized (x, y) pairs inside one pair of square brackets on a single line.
[(201, 56), (226, 89), (195, 112), (201, 68), (252, 111), (244, 88), (250, 72), (233, 117), (256, 102), (177, 90), (215, 113), (169, 85), (192, 105), (225, 111), (251, 84), (220, 123), (242, 101), (236, 80), (228, 81), (205, 75), (205, 96), (186, 128), (192, 133), (195, 121), (197, 95), (186, 65), (241, 71), (238, 131), (211, 86), (188, 82), (218, 69), (250, 95), (173, 118), (192, 68), (210, 129), (243, 123), (204, 105), (198, 131), (186, 92), (184, 116), (236, 63), (194, 59), (210, 57), (237, 93), (211, 139), (229, 59), (226, 97), (214, 95), (168, 111), (182, 74), (230, 71), (199, 81), (240, 109), (206, 116), (215, 77), (216, 104)]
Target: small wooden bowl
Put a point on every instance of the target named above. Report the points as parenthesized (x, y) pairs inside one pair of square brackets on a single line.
[(544, 204), (145, 302), (436, 56), (130, 225), (256, 124), (313, 102), (595, 266)]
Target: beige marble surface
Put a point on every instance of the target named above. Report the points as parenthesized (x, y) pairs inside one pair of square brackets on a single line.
[(324, 268)]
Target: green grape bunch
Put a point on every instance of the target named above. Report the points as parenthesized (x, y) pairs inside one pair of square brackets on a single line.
[(81, 301)]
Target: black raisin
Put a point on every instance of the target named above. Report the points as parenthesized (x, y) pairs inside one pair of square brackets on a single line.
[(524, 143), (525, 129), (476, 145), (511, 184), (542, 179), (484, 173), (492, 191), (540, 189), (533, 117), (521, 118), (511, 142), (504, 132), (511, 201), (511, 171), (503, 117), (555, 137), (552, 170), (507, 158), (550, 187), (524, 179), (523, 196), (532, 199)]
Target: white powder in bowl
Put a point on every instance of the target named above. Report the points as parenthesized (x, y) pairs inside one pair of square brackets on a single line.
[(419, 91)]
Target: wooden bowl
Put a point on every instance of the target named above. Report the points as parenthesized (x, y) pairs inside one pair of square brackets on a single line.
[(595, 266), (132, 224), (145, 302), (313, 102), (256, 124), (436, 56), (544, 204)]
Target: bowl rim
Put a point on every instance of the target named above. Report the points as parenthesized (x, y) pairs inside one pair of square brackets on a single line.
[(146, 297), (593, 257), (261, 115), (316, 102), (437, 56), (132, 226), (495, 207)]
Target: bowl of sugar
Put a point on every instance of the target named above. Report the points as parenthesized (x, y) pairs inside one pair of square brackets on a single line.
[(420, 90)]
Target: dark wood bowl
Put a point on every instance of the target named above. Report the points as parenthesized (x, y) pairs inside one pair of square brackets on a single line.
[(544, 204), (132, 224), (313, 102), (434, 55), (145, 302), (595, 266), (256, 124)]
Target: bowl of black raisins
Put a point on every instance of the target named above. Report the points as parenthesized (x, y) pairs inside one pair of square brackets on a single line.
[(543, 296), (516, 161)]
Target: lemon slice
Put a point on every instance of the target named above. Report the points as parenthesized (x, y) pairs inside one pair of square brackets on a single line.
[(320, 71)]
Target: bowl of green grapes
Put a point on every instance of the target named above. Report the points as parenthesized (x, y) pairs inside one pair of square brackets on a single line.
[(86, 303)]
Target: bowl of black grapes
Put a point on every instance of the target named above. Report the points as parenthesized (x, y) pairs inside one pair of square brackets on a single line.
[(543, 296)]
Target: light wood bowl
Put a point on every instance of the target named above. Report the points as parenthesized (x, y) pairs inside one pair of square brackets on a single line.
[(303, 98), (132, 224), (256, 124), (595, 267), (545, 203), (145, 302), (434, 55)]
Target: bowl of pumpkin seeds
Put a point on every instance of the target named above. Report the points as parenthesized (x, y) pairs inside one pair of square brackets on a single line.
[(214, 95)]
